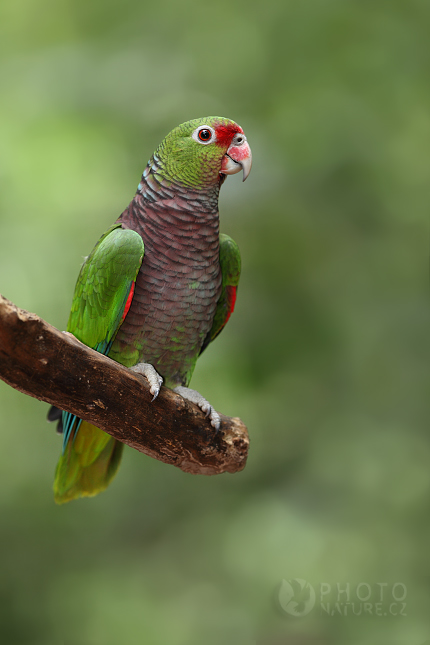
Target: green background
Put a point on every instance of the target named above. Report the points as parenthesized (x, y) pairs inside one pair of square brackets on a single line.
[(325, 357)]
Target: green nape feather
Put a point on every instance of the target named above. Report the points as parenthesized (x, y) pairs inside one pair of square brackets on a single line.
[(88, 464)]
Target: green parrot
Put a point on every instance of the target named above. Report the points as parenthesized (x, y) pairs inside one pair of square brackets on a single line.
[(157, 288)]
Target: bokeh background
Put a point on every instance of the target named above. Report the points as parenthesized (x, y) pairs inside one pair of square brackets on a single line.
[(325, 357)]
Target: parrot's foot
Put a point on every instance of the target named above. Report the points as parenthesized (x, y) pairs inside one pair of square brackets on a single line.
[(198, 399), (152, 376)]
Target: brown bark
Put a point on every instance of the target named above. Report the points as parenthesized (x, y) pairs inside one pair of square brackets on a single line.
[(39, 360)]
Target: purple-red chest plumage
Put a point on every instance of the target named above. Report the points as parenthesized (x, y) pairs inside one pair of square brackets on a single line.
[(177, 287)]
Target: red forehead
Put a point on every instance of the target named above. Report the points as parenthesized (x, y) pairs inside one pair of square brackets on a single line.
[(225, 133)]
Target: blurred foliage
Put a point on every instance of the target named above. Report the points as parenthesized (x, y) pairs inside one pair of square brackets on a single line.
[(325, 358)]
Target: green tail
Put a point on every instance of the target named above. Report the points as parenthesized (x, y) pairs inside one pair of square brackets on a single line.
[(88, 464)]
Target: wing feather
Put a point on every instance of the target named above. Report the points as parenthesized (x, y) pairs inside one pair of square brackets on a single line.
[(102, 293), (229, 258)]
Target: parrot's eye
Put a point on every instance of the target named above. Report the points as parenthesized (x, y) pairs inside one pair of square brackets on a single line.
[(204, 134)]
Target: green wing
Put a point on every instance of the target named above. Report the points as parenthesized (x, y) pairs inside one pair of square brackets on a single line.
[(103, 294), (229, 258), (103, 287)]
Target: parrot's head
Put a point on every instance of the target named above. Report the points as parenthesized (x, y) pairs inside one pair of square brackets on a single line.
[(201, 152)]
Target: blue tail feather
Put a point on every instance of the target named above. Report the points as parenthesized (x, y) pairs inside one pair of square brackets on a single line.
[(69, 418)]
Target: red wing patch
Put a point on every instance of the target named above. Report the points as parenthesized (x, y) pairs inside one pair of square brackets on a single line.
[(128, 303), (231, 301)]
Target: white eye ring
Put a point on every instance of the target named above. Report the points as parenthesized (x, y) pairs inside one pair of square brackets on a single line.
[(196, 132)]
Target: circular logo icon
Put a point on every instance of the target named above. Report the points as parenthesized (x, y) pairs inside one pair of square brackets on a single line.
[(296, 597)]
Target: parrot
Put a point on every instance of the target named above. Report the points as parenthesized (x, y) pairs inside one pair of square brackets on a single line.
[(158, 287)]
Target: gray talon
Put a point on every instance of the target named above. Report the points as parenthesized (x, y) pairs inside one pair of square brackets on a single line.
[(204, 405), (152, 376), (215, 420)]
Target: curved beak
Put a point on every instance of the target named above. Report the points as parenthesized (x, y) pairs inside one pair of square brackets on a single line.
[(238, 157)]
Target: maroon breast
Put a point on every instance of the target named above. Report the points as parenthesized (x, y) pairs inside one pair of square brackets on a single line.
[(177, 287)]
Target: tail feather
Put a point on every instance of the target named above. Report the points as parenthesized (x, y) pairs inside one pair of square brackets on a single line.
[(87, 465)]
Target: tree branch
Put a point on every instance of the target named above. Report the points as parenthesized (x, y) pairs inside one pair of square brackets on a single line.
[(39, 360)]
